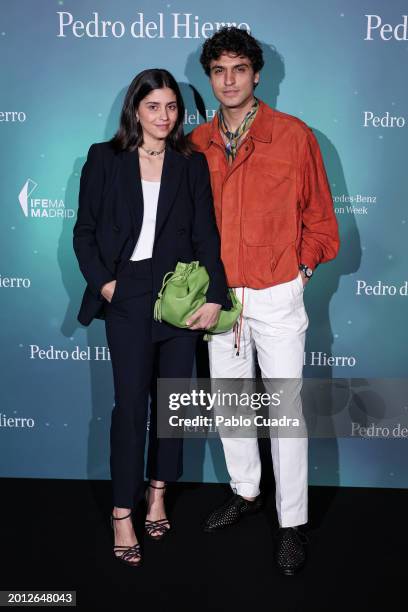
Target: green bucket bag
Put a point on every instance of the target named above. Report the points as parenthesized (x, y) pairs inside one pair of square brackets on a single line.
[(184, 291)]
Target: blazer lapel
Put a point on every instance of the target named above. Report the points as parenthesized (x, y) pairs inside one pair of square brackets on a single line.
[(172, 172), (132, 188)]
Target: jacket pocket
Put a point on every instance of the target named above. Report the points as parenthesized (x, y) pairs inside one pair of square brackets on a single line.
[(270, 190), (259, 264)]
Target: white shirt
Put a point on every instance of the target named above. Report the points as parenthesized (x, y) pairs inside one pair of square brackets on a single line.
[(144, 245)]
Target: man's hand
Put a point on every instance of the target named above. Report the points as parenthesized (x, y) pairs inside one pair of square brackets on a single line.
[(205, 317), (108, 290), (305, 279)]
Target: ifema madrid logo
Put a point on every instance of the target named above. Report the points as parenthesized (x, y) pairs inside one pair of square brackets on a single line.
[(42, 207)]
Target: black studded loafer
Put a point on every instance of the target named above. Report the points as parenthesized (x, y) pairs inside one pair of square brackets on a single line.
[(231, 512), (290, 550)]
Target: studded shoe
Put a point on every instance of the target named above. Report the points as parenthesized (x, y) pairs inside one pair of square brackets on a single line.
[(231, 512), (290, 550)]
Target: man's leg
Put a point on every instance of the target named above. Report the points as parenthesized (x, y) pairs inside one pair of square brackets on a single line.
[(278, 322), (241, 454)]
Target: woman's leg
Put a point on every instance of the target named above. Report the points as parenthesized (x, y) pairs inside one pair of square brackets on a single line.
[(128, 330), (175, 359)]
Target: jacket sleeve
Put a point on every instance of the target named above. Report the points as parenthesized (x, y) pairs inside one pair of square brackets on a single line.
[(85, 245), (205, 236), (320, 236)]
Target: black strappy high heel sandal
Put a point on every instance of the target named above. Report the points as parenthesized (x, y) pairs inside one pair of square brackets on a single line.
[(160, 527), (129, 552)]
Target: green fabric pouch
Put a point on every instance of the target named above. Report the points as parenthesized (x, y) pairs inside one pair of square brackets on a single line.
[(184, 291)]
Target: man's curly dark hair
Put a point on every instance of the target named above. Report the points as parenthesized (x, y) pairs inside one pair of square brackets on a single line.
[(231, 40)]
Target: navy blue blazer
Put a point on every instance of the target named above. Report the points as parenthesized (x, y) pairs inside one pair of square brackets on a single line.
[(110, 215)]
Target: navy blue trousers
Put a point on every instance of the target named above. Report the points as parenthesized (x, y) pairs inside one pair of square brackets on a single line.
[(137, 362)]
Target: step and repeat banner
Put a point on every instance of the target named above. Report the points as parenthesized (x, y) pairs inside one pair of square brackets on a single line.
[(65, 65)]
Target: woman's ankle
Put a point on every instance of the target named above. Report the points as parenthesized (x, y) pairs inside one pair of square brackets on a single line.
[(157, 485), (156, 492), (119, 512)]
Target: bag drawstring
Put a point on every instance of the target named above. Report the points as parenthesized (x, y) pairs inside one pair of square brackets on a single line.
[(157, 311), (238, 327)]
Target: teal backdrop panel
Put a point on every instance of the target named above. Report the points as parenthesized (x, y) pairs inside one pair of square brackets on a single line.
[(336, 64)]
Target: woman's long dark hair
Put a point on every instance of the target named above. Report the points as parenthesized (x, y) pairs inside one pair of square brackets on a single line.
[(130, 134)]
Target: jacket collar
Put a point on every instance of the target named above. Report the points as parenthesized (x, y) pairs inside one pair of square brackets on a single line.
[(172, 172), (261, 128), (132, 184)]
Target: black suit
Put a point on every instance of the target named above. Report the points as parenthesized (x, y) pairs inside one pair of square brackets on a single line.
[(110, 217)]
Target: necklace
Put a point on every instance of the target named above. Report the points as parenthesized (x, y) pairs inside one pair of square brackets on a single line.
[(153, 152), (233, 138)]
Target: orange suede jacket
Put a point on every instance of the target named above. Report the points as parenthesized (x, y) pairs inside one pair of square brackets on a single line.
[(273, 205)]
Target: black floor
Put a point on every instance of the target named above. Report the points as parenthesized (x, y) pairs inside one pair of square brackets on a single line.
[(55, 534)]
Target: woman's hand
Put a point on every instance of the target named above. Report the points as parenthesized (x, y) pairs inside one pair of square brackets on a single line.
[(205, 317), (108, 290)]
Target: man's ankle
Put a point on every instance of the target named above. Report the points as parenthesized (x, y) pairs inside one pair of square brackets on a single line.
[(250, 499)]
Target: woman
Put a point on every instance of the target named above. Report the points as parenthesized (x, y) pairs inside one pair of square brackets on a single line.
[(144, 203)]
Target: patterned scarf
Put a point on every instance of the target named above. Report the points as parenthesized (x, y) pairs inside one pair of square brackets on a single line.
[(233, 137)]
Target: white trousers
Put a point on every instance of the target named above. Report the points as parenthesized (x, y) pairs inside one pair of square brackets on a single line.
[(274, 325)]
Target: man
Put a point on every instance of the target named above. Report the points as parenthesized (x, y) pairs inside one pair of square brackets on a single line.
[(275, 216)]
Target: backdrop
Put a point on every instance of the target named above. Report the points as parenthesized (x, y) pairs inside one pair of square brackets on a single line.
[(338, 65)]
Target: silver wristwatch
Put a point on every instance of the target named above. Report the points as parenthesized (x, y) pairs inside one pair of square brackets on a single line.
[(308, 272)]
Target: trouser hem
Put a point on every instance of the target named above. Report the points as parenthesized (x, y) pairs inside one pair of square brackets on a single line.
[(293, 519), (245, 489)]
